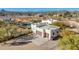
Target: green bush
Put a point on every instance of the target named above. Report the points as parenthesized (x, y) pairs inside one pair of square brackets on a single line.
[(6, 33), (2, 33), (69, 40), (66, 32), (2, 23), (35, 21), (9, 31), (59, 24)]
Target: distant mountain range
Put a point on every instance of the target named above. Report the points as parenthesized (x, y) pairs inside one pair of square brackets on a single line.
[(37, 9)]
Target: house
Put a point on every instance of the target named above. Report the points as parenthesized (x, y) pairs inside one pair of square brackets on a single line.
[(7, 18), (44, 30), (49, 21)]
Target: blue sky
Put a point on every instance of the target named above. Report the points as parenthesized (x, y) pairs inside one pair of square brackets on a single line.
[(39, 9)]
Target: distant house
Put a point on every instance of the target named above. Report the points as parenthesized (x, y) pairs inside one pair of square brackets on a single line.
[(49, 21), (6, 18), (44, 30)]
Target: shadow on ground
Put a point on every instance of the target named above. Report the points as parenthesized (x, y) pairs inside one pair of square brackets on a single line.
[(19, 43)]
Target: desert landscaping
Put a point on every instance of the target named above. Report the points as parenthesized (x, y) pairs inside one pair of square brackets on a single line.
[(55, 30)]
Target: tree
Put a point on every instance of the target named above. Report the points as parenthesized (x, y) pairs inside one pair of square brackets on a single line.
[(67, 14)]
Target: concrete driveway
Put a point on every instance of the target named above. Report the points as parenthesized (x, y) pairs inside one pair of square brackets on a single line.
[(38, 40), (29, 43)]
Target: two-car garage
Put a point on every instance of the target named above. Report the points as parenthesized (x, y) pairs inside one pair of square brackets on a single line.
[(42, 34)]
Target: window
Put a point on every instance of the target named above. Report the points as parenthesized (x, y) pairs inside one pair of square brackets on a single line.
[(53, 33), (57, 31)]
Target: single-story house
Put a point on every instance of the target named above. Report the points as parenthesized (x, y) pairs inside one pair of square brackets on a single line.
[(44, 30)]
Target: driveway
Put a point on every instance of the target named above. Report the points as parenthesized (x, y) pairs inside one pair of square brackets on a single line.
[(29, 43), (37, 40)]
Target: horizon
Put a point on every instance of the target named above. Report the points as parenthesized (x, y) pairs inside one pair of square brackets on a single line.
[(38, 9)]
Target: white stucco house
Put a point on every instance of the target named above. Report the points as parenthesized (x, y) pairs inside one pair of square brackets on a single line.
[(49, 21), (45, 30)]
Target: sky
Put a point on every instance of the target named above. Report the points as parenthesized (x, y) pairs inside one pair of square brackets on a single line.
[(39, 9)]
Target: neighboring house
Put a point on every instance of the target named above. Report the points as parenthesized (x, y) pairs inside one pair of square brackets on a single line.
[(49, 21), (44, 30), (6, 18)]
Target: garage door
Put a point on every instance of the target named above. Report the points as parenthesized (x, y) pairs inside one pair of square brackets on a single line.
[(47, 35)]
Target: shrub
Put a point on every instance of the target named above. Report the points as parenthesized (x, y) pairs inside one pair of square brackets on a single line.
[(2, 23), (36, 21), (70, 42), (59, 24), (10, 32), (66, 32), (2, 34)]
